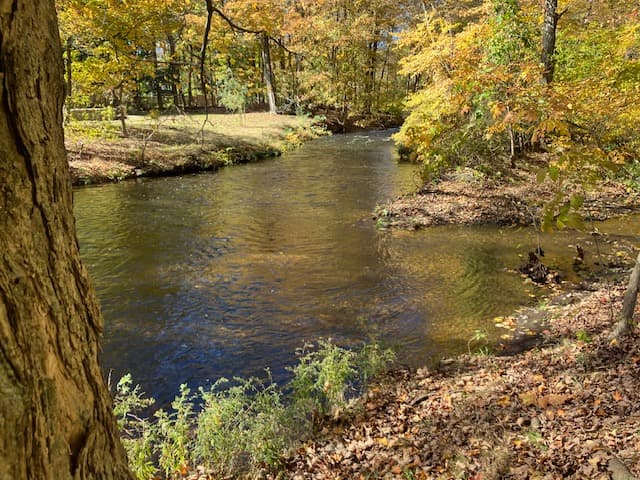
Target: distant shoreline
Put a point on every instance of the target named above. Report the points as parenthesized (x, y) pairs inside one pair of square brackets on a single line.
[(173, 145)]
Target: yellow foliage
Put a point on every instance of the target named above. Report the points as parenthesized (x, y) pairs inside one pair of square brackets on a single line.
[(481, 86)]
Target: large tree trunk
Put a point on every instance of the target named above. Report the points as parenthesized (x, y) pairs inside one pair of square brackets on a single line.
[(56, 418)]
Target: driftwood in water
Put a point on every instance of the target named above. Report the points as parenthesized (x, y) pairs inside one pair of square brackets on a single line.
[(537, 271)]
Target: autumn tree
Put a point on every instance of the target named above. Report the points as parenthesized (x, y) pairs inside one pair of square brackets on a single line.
[(348, 61), (55, 411), (480, 98)]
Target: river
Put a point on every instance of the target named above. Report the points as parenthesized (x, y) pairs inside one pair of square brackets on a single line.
[(225, 274)]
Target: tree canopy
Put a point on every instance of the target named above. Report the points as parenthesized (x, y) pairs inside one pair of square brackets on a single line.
[(485, 93), (477, 79), (338, 55)]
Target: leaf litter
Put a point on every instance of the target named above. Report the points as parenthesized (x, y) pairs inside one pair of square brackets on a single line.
[(569, 408)]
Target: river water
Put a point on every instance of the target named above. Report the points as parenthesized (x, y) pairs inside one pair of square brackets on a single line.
[(228, 273)]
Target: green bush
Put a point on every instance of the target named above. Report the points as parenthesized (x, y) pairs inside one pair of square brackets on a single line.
[(243, 426), (137, 434)]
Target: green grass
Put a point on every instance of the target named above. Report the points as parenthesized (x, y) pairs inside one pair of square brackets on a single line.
[(222, 129), (168, 144)]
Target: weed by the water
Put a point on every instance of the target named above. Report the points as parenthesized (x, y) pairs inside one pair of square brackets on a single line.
[(240, 427), (478, 336), (137, 434)]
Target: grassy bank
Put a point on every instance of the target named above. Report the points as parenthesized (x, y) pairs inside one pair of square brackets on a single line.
[(175, 144)]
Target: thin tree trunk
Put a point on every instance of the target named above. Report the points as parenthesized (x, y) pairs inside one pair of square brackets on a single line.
[(370, 81), (56, 419), (68, 63), (203, 53), (625, 320), (157, 84), (549, 25), (267, 74), (121, 109), (174, 72), (190, 79)]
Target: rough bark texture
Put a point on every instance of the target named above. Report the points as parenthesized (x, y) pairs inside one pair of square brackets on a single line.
[(629, 303), (56, 420), (549, 39), (267, 74)]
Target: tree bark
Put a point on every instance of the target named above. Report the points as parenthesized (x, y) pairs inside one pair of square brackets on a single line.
[(56, 419), (267, 74), (629, 303), (549, 26), (69, 64), (157, 78)]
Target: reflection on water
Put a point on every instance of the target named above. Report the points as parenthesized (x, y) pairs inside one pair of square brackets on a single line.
[(227, 274)]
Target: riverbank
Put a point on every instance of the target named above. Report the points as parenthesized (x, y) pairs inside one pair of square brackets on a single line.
[(559, 400), (177, 144), (468, 197), (569, 409)]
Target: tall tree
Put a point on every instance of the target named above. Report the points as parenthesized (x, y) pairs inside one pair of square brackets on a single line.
[(267, 73), (56, 418), (549, 26)]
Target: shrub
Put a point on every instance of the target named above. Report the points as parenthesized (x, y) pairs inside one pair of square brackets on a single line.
[(243, 426)]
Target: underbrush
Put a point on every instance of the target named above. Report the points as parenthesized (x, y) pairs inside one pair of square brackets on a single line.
[(243, 427)]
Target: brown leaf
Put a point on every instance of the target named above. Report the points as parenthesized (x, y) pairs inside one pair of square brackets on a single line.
[(528, 398), (557, 400)]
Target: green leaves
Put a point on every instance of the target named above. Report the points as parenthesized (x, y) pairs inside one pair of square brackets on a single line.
[(246, 425)]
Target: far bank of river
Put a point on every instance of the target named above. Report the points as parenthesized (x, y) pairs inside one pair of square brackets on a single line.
[(179, 144)]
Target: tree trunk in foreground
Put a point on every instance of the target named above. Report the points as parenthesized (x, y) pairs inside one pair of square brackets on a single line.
[(56, 419), (629, 302)]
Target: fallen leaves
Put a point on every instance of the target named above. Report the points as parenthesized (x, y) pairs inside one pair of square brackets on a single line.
[(543, 401), (559, 412)]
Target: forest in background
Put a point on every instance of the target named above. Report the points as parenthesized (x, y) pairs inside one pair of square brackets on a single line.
[(292, 56), (480, 83), (551, 84)]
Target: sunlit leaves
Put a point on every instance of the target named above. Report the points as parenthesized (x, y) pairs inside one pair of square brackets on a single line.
[(481, 98)]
